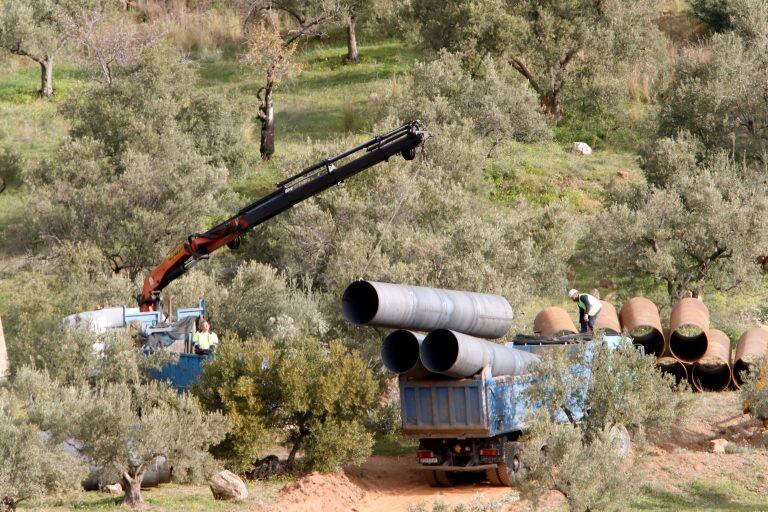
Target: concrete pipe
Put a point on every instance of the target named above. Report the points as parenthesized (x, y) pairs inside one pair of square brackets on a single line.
[(608, 319), (552, 322), (688, 327), (752, 345), (459, 355), (424, 309), (400, 354), (713, 371), (640, 318)]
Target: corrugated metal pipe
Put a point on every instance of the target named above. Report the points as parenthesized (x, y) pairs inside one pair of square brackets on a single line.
[(640, 318), (752, 345), (608, 319), (424, 309), (688, 326), (552, 322), (713, 371), (459, 355), (400, 354)]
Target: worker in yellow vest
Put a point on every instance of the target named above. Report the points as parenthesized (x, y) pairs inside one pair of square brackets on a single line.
[(205, 340), (589, 308)]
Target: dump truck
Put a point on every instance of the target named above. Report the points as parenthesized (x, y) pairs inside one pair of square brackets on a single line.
[(475, 424)]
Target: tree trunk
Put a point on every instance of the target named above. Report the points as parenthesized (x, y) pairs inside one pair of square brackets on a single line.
[(8, 504), (132, 490), (353, 57), (46, 77), (294, 450), (267, 117)]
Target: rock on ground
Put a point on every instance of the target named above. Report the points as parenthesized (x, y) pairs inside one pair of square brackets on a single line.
[(228, 486), (581, 148)]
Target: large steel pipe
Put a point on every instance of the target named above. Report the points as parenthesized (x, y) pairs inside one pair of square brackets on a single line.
[(713, 371), (459, 355), (752, 345), (608, 319), (424, 309), (400, 354), (688, 327), (552, 322), (640, 318)]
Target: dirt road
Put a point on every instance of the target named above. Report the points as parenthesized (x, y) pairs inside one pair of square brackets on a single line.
[(671, 464)]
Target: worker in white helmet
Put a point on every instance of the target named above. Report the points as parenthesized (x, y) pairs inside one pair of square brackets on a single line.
[(589, 308)]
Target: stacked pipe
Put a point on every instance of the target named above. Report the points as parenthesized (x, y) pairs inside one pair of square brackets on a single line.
[(690, 349), (439, 333)]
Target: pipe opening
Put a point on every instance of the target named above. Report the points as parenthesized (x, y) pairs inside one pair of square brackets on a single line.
[(740, 367), (711, 377), (688, 343), (400, 351), (674, 368), (360, 302), (439, 350), (650, 338)]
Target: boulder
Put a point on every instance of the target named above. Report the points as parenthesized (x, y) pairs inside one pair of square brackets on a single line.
[(226, 485), (581, 148), (718, 445), (112, 489)]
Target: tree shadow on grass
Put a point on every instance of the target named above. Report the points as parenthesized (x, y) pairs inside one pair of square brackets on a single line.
[(699, 496)]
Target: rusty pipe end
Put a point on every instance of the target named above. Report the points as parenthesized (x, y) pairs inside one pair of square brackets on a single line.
[(639, 316), (552, 322), (608, 319), (752, 345), (673, 367), (689, 326)]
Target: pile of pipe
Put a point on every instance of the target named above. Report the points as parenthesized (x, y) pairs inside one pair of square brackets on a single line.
[(438, 333), (690, 348)]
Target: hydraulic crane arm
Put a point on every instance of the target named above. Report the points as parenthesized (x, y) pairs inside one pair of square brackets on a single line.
[(309, 182)]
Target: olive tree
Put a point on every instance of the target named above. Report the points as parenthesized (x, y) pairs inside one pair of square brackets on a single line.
[(555, 45), (36, 29), (145, 162), (581, 393), (32, 463), (122, 428), (311, 396), (271, 44), (703, 223)]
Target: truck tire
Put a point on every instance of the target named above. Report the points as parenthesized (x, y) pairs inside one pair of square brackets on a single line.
[(441, 478), (506, 473)]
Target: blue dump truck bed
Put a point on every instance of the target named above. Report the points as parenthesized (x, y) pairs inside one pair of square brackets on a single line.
[(479, 407)]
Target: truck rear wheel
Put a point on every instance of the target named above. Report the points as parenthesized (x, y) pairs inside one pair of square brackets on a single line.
[(507, 472), (441, 478)]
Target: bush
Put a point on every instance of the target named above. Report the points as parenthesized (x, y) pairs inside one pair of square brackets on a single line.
[(308, 395), (11, 168), (578, 457)]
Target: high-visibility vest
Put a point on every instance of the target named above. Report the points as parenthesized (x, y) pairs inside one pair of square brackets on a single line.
[(594, 302), (205, 340)]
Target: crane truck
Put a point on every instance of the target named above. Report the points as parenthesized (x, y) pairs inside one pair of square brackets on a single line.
[(288, 193)]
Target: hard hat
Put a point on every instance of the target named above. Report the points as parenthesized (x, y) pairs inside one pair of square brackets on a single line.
[(573, 293)]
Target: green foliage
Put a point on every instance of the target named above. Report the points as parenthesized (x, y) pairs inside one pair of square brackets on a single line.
[(11, 168), (141, 167), (703, 226), (31, 463), (274, 307), (754, 393), (712, 95), (590, 474), (712, 12), (307, 394), (496, 104), (122, 428), (618, 386), (571, 53), (580, 459), (34, 27)]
